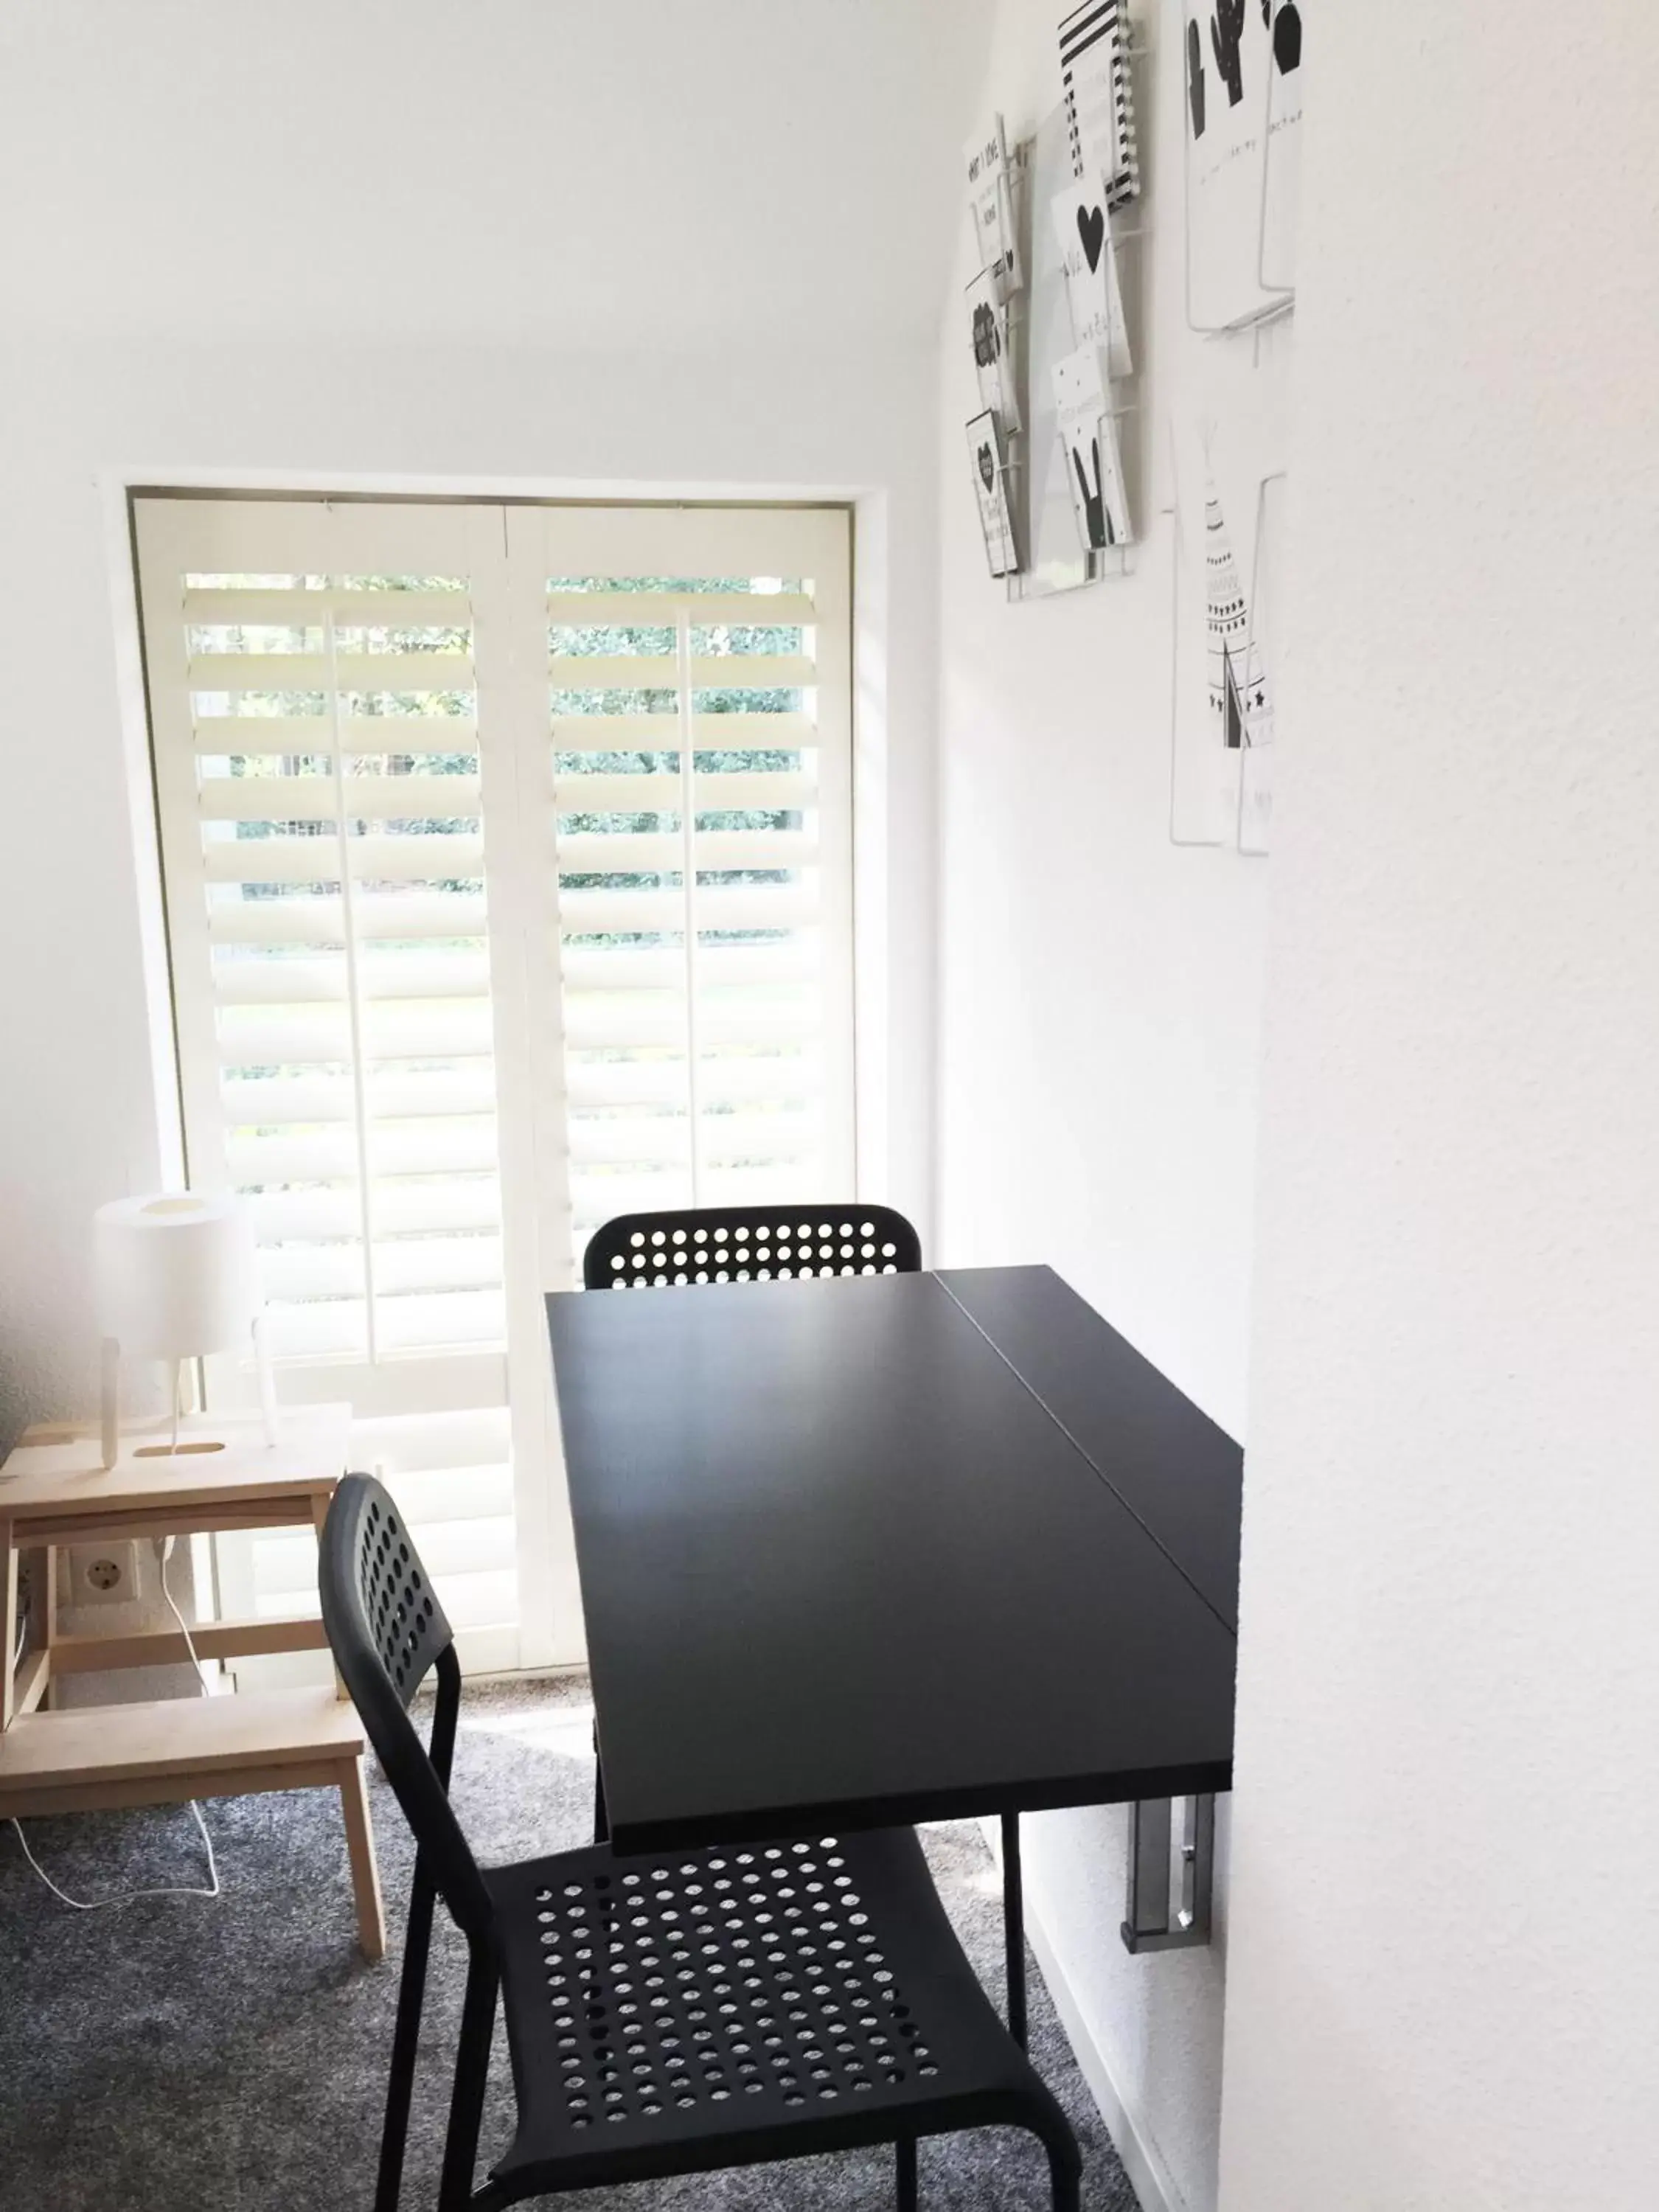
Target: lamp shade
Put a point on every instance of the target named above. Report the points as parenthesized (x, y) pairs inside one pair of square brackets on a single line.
[(175, 1274)]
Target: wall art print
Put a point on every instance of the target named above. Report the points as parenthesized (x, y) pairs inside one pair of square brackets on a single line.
[(996, 249), (1100, 116), (987, 335), (988, 458), (1242, 114), (1089, 257), (1088, 436)]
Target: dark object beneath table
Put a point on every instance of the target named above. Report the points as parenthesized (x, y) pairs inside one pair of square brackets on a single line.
[(845, 1563)]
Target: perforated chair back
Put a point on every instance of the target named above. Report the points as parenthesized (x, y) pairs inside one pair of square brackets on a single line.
[(388, 1631), (746, 1243)]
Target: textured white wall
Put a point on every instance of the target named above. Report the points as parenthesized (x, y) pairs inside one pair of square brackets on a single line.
[(1099, 1041), (1443, 1979)]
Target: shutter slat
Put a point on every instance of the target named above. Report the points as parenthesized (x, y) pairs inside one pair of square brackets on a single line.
[(468, 1546), (328, 1330), (752, 671), (661, 609), (783, 1078), (598, 1196), (419, 1263), (261, 736), (613, 671), (599, 852), (413, 859), (648, 968), (338, 1326), (756, 732), (210, 607), (410, 1444), (398, 1148), (758, 792), (653, 672), (763, 791), (268, 673), (432, 1029), (725, 906), (424, 1322), (239, 736), (321, 920), (633, 1020), (727, 1138), (407, 1209), (475, 1604), (281, 981), (253, 983), (267, 799), (311, 797), (435, 1030), (620, 794), (287, 1102), (428, 1496), (651, 734)]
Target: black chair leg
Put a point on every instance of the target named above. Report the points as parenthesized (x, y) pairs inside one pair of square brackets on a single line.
[(601, 1818), (405, 2041), (1054, 2131), (1014, 1927), (472, 2073), (1066, 2179), (905, 2149)]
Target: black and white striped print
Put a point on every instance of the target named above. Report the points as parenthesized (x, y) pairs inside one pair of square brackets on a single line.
[(1094, 62)]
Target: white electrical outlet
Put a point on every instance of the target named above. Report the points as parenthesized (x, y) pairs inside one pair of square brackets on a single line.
[(106, 1574)]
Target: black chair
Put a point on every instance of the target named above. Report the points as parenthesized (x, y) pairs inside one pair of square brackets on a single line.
[(736, 1243), (671, 2015)]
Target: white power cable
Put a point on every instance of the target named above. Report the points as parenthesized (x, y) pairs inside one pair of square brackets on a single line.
[(163, 1553)]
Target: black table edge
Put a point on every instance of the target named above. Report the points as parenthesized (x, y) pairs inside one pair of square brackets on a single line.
[(639, 1839), (1089, 1461)]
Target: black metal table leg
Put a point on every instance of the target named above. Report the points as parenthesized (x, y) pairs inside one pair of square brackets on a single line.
[(1014, 1927), (905, 2150)]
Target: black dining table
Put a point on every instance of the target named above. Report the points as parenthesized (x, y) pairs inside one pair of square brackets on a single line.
[(860, 1552)]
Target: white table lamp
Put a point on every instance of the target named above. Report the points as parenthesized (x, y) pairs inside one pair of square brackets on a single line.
[(176, 1279)]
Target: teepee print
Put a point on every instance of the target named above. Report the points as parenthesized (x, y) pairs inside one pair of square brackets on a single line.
[(1239, 706)]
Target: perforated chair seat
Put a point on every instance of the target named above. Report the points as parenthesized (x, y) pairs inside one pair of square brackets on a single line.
[(738, 2004)]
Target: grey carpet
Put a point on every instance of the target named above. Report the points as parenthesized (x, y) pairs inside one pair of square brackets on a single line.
[(230, 2056)]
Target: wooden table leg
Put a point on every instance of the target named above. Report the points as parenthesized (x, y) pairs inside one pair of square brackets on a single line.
[(321, 1503), (32, 1683), (44, 1592), (360, 1849), (7, 1617)]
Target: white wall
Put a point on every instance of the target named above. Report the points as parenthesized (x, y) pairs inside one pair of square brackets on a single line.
[(1443, 1986), (544, 173), (1099, 1044), (515, 246)]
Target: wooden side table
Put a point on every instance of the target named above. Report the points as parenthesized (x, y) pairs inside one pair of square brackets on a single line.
[(54, 1490)]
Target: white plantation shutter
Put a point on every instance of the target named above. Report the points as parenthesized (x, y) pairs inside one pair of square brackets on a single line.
[(508, 872), (316, 717), (697, 715)]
